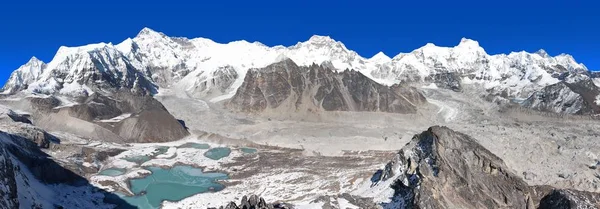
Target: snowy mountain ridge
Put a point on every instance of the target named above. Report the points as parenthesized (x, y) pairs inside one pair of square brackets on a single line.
[(202, 68)]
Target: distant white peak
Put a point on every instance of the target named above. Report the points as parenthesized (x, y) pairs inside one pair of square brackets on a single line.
[(125, 46), (34, 61), (565, 56), (380, 57), (567, 59), (149, 33), (542, 53), (259, 44), (324, 41), (320, 39), (429, 45), (203, 42), (468, 43), (64, 51)]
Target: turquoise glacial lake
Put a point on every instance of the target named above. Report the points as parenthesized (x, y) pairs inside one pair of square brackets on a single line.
[(217, 153), (172, 184)]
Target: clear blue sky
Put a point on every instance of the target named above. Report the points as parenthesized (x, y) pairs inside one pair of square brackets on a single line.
[(38, 28)]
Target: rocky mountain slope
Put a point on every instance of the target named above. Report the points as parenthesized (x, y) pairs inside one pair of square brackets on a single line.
[(118, 117), (202, 68), (32, 179), (441, 168), (285, 86)]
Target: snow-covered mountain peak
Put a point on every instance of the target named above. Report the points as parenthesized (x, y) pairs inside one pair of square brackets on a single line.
[(318, 39), (569, 62), (428, 45), (471, 47), (319, 42), (65, 51), (34, 60), (203, 42), (469, 43), (126, 46), (33, 65), (542, 53), (24, 75), (149, 33), (380, 57)]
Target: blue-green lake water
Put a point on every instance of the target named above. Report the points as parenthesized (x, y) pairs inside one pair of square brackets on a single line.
[(112, 172), (248, 150), (217, 153), (195, 145), (171, 184)]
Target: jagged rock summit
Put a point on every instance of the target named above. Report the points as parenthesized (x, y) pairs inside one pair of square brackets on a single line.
[(441, 168)]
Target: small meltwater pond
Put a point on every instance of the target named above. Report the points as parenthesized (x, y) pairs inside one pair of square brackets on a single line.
[(194, 145), (172, 184), (248, 150), (112, 172), (217, 153)]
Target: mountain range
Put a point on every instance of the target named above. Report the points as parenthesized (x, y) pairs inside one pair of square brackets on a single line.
[(75, 132), (202, 68)]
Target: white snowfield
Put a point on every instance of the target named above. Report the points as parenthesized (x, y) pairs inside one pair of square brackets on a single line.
[(192, 65)]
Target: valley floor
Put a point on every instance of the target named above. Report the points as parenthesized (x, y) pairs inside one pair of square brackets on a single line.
[(554, 150), (332, 156)]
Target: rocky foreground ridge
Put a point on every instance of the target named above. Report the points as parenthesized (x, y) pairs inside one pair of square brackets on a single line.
[(30, 178), (441, 168)]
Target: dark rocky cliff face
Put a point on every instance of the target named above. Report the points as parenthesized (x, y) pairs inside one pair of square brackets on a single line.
[(287, 86), (441, 168)]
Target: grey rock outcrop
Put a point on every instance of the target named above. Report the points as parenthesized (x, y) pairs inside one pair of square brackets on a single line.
[(572, 98), (253, 202), (289, 87), (449, 80), (441, 168)]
